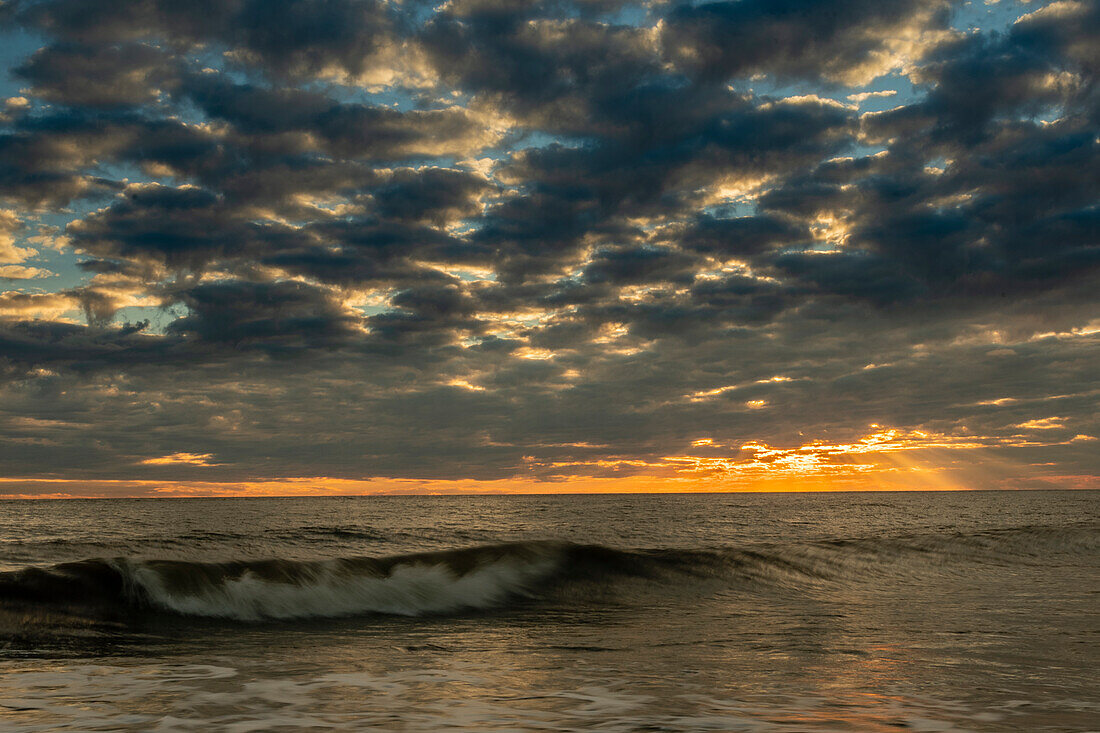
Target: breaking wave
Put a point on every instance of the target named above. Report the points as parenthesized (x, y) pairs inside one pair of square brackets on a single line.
[(495, 576)]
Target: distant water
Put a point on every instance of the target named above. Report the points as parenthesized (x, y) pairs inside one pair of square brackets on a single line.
[(738, 612)]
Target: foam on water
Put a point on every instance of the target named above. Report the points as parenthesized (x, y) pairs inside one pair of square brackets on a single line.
[(329, 590), (493, 576)]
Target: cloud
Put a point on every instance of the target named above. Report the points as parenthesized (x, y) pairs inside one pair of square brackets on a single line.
[(10, 253), (189, 459), (862, 97), (346, 130), (274, 316), (181, 227), (852, 42), (19, 272), (35, 305), (302, 38), (98, 76), (1045, 423)]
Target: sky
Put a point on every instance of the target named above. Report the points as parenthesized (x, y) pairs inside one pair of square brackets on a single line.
[(357, 246)]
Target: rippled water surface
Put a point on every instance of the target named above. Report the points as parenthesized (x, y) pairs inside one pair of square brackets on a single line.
[(799, 612)]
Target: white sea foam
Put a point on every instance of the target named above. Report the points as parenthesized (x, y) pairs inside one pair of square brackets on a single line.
[(411, 589)]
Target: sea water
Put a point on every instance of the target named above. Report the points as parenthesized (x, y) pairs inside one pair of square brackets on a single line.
[(724, 612)]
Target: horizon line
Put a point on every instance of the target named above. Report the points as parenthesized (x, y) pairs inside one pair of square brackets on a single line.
[(476, 494)]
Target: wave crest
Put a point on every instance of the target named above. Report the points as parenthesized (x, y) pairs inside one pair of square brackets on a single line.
[(492, 576), (413, 586)]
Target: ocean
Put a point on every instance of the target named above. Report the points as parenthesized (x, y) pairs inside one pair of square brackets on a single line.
[(969, 611)]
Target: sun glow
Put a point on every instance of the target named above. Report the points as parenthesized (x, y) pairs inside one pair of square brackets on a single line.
[(884, 459)]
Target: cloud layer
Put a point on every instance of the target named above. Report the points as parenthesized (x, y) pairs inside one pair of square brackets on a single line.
[(550, 242)]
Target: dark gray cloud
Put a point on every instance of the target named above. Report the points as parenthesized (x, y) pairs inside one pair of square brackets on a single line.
[(793, 38), (435, 195), (640, 265), (98, 76), (524, 239), (345, 130), (741, 236), (278, 317), (283, 37)]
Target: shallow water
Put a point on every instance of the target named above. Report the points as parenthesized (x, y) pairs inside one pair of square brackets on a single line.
[(962, 611)]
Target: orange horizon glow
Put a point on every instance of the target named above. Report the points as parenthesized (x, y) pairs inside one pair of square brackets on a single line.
[(327, 487), (886, 459)]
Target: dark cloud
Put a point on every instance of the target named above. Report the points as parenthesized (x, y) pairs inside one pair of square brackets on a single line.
[(639, 266), (540, 60), (182, 227), (346, 130), (29, 344), (284, 37), (742, 236), (436, 195), (858, 274), (793, 38), (98, 76), (46, 161), (278, 317), (738, 300)]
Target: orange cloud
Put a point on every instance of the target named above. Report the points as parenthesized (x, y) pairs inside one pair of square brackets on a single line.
[(1046, 423), (176, 459)]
